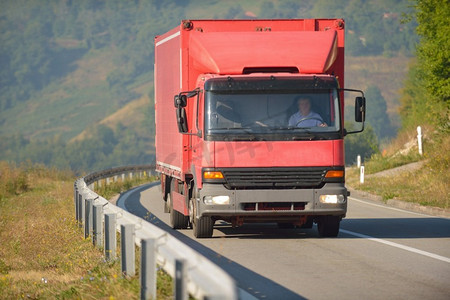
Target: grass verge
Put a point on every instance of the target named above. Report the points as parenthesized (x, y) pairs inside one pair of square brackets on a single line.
[(427, 186), (43, 254)]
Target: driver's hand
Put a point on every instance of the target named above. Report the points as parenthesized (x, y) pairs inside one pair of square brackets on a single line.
[(323, 125)]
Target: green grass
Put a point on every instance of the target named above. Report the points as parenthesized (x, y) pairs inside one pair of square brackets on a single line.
[(43, 254), (378, 162), (427, 186)]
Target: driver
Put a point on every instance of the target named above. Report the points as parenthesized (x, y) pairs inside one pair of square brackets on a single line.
[(305, 117)]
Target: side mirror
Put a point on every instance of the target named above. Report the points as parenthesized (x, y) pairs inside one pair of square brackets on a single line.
[(360, 109), (180, 101), (182, 120)]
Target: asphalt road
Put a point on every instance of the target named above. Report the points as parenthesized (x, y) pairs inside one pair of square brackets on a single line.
[(380, 253)]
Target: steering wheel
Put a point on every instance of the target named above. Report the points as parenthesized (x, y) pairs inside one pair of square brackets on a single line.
[(309, 118)]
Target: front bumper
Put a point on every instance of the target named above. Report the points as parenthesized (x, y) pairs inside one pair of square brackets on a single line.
[(271, 204)]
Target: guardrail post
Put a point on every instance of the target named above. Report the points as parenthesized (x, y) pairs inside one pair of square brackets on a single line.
[(148, 269), (81, 209), (107, 180), (131, 175), (115, 178), (97, 223), (77, 213), (180, 288), (88, 215), (123, 177), (127, 249), (110, 236), (75, 200)]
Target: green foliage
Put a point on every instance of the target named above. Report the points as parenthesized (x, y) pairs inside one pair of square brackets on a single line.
[(425, 98), (415, 108), (106, 148), (377, 115), (377, 118), (433, 51), (364, 144), (372, 27)]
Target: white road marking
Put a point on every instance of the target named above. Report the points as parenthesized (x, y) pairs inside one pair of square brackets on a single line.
[(392, 244)]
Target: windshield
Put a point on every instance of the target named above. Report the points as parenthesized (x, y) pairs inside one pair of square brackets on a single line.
[(272, 115)]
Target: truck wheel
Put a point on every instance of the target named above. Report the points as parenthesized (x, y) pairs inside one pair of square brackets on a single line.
[(203, 227), (167, 205), (177, 219), (328, 226)]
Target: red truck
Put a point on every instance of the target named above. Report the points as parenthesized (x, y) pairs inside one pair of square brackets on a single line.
[(250, 123)]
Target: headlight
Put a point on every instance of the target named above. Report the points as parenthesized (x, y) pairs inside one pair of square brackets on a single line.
[(221, 200), (332, 199)]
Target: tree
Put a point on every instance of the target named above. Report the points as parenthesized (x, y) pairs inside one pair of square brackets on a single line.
[(377, 115), (433, 51), (426, 95), (433, 54), (414, 109), (364, 144)]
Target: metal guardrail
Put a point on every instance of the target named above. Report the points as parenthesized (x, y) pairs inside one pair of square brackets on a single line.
[(193, 273)]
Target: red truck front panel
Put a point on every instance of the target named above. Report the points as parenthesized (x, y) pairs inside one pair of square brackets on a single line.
[(278, 154)]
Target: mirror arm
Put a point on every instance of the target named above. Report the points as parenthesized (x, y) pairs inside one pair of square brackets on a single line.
[(356, 131), (198, 133)]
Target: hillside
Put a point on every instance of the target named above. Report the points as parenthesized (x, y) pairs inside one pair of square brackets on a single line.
[(84, 81), (386, 73)]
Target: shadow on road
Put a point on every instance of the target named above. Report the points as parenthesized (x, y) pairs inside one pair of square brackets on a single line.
[(251, 282), (264, 288)]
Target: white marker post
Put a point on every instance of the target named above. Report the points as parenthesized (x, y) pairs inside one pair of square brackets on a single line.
[(361, 175), (358, 161), (419, 139)]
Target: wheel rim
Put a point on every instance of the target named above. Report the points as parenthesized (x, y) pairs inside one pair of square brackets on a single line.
[(191, 211), (169, 202)]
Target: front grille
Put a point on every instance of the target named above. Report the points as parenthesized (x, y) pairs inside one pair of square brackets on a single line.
[(273, 206), (274, 178)]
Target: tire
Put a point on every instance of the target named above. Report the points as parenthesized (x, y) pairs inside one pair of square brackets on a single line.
[(203, 227), (328, 226), (167, 205), (177, 219)]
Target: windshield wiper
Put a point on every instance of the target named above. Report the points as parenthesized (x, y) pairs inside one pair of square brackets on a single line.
[(246, 138), (232, 128), (308, 135), (306, 129)]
